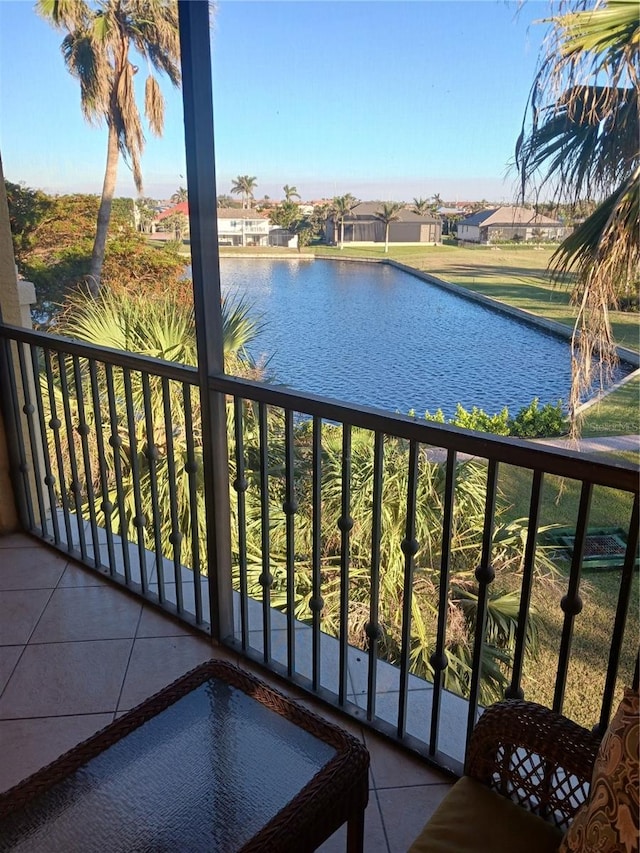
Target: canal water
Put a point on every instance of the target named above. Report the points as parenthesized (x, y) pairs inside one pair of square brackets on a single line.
[(374, 335)]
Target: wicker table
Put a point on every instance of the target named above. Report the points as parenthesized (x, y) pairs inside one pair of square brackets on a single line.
[(217, 761)]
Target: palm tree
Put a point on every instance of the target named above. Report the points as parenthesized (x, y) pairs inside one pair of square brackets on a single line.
[(421, 206), (342, 206), (97, 51), (225, 201), (290, 192), (388, 213), (244, 185), (179, 196), (583, 141)]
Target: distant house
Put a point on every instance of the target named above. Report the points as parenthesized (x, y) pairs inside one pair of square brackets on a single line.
[(236, 227), (363, 226), (501, 224)]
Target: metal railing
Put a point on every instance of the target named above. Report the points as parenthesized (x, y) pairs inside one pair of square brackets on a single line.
[(369, 550)]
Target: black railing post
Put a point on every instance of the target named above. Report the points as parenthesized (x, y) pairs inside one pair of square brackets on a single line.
[(201, 183)]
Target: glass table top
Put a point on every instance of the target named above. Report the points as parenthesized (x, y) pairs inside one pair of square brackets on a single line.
[(206, 773)]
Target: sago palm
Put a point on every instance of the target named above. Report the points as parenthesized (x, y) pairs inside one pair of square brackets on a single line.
[(161, 327), (99, 50), (583, 142)]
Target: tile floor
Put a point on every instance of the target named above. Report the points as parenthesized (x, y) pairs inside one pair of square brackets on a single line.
[(76, 651)]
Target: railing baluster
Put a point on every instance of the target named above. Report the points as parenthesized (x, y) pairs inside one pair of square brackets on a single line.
[(152, 454), (345, 523), (191, 467), (316, 602), (571, 603), (139, 520), (266, 578), (115, 440), (290, 508), (29, 410), (373, 627), (439, 659), (54, 424), (83, 431), (106, 503), (409, 549), (624, 598), (49, 479), (75, 485), (514, 691), (484, 575), (175, 537), (19, 466), (240, 485)]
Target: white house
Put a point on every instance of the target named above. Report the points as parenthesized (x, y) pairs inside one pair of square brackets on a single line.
[(501, 224)]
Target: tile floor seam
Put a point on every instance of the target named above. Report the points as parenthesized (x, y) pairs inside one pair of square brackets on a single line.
[(48, 602), (15, 666), (384, 826), (57, 716), (124, 676)]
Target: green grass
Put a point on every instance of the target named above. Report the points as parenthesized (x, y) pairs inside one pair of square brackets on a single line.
[(617, 414), (599, 591)]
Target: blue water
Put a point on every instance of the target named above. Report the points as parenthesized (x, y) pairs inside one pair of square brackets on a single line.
[(373, 335)]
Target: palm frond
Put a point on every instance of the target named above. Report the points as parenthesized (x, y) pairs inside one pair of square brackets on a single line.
[(154, 105)]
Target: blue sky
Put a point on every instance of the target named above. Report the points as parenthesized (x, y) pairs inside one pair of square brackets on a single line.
[(387, 100)]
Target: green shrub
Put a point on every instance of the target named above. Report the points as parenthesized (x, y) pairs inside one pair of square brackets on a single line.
[(532, 421), (535, 422), (477, 419)]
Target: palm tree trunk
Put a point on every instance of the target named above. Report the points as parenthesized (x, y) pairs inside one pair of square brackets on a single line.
[(104, 213), (386, 239), (342, 233)]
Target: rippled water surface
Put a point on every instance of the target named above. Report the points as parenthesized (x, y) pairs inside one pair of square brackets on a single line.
[(373, 335)]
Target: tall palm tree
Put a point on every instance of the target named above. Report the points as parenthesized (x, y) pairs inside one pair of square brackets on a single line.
[(290, 192), (583, 142), (342, 206), (421, 206), (388, 213), (244, 185), (97, 50), (180, 195)]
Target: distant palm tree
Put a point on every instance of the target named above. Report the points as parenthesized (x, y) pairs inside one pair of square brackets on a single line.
[(421, 206), (225, 201), (290, 192), (388, 213), (244, 185), (179, 196), (342, 206), (436, 201), (96, 51)]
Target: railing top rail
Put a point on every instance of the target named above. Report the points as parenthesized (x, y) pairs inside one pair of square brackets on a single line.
[(119, 358), (512, 451)]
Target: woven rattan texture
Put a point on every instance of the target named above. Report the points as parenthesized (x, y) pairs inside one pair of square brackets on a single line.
[(535, 757)]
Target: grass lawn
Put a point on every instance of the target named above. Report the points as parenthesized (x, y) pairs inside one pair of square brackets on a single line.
[(617, 414)]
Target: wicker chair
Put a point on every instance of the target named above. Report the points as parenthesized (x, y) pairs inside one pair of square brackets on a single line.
[(528, 770)]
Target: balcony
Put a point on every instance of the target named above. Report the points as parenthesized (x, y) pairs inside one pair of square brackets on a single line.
[(354, 557), (76, 652)]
